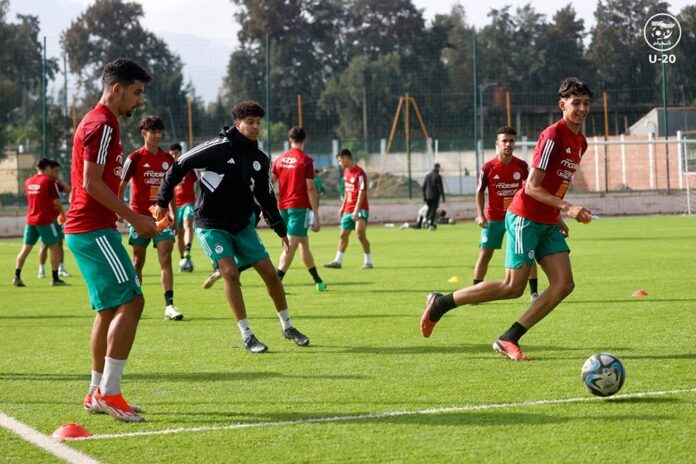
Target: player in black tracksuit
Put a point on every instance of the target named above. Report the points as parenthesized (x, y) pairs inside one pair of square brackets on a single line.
[(233, 176)]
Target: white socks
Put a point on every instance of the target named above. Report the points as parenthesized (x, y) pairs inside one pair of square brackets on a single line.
[(284, 317), (339, 257), (368, 258), (244, 329), (94, 383), (111, 379)]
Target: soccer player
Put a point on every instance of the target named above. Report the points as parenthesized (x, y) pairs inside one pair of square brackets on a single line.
[(43, 208), (54, 171), (432, 191), (297, 197), (185, 198), (234, 176), (501, 177), (354, 210), (145, 167), (535, 228), (91, 235)]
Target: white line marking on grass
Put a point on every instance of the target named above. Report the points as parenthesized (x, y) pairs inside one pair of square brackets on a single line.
[(44, 442), (382, 415)]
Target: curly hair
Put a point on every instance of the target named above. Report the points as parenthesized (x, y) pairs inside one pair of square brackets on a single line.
[(151, 122), (247, 108)]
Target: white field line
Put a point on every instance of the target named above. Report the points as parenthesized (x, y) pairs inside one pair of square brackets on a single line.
[(381, 415), (44, 442)]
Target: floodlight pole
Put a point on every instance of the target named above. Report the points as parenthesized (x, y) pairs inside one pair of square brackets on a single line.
[(474, 95), (43, 100), (268, 95), (665, 120)]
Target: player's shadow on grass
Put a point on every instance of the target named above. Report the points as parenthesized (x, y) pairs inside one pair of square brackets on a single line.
[(49, 316), (421, 349)]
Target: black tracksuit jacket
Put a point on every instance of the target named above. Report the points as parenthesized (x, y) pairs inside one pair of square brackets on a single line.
[(233, 176)]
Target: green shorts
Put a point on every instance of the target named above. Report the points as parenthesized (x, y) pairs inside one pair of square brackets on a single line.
[(529, 240), (492, 236), (106, 268), (135, 239), (297, 220), (49, 234), (184, 212), (347, 222), (245, 246)]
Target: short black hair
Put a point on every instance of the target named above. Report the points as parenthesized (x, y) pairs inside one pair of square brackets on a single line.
[(505, 130), (436, 166), (297, 134), (44, 163), (573, 86), (54, 164), (151, 122), (175, 146), (124, 71), (344, 152), (247, 108)]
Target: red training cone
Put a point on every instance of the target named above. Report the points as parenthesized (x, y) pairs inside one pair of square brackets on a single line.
[(70, 431), (640, 293)]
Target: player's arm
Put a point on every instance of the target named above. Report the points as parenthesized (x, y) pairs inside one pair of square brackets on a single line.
[(362, 193), (313, 203), (197, 158), (534, 189), (95, 186), (441, 187), (265, 196), (481, 199)]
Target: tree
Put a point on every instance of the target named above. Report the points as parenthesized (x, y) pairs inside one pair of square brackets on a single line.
[(110, 29), (21, 72), (682, 72)]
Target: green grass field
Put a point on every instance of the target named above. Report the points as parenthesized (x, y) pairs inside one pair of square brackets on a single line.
[(368, 359)]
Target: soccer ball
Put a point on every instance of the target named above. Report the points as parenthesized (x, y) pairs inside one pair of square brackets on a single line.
[(452, 221), (186, 265), (603, 374)]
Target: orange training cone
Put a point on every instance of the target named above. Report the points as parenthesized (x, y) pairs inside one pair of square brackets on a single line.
[(70, 431), (640, 293)]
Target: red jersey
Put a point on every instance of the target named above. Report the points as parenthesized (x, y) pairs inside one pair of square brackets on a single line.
[(41, 190), (292, 169), (354, 180), (97, 140), (146, 170), (185, 192), (558, 153), (502, 181)]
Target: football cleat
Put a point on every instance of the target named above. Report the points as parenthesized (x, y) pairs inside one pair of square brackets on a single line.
[(212, 278), (320, 286), (59, 283), (42, 274), (115, 406), (171, 313), (63, 273), (90, 406), (367, 266), (510, 349), (295, 335), (17, 282), (333, 265), (533, 296), (426, 324), (253, 345)]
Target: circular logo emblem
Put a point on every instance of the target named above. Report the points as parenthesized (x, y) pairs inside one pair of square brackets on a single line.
[(135, 235), (531, 254), (662, 32), (219, 249), (484, 239), (516, 176), (257, 166), (165, 165)]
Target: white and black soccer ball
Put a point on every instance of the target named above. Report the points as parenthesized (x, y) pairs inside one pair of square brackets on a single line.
[(603, 374)]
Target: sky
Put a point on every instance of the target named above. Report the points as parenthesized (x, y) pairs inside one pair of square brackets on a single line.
[(204, 32)]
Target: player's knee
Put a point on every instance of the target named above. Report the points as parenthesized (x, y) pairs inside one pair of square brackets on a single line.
[(513, 290)]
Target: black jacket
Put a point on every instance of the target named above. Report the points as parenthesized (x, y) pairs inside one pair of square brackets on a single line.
[(432, 186), (233, 175)]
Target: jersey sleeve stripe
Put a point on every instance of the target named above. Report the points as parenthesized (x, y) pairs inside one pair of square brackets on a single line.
[(199, 148), (126, 167), (104, 144), (112, 259), (546, 154)]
